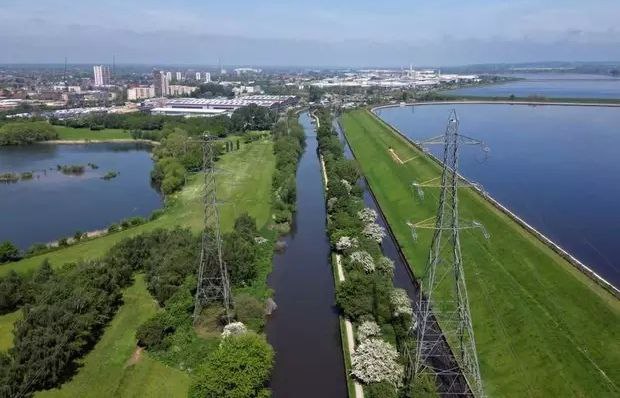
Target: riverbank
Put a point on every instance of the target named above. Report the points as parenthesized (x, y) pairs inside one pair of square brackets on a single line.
[(519, 353), (504, 101), (579, 265), (100, 141)]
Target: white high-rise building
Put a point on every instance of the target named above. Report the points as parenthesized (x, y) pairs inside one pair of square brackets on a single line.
[(161, 84), (102, 75), (207, 77), (179, 76), (169, 76), (197, 75)]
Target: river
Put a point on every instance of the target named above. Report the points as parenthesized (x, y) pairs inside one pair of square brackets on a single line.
[(305, 330), (554, 166), (550, 85), (53, 205)]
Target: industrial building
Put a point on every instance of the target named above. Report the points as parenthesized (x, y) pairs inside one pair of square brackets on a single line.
[(218, 106)]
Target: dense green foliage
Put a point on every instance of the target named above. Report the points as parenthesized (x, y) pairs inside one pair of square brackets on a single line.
[(289, 141), (8, 252), (18, 133), (240, 251), (366, 292), (209, 90), (252, 117), (238, 368), (67, 312)]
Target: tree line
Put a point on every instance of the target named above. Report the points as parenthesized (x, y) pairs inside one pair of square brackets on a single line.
[(382, 314), (20, 133)]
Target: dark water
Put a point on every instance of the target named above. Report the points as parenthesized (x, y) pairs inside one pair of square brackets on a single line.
[(555, 166), (553, 85), (305, 330), (53, 205)]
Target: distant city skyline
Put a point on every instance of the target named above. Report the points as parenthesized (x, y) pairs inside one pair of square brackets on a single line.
[(345, 33)]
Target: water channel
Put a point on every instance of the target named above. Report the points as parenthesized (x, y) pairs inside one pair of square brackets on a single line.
[(53, 205), (305, 330), (551, 85), (554, 166)]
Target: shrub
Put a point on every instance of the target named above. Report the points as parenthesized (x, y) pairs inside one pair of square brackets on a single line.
[(151, 333), (364, 260), (375, 361), (381, 390), (374, 231), (401, 303), (239, 367), (385, 266), (250, 310), (367, 330), (8, 252), (367, 215), (234, 329)]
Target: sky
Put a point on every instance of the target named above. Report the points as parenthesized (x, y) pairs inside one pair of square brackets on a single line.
[(309, 33)]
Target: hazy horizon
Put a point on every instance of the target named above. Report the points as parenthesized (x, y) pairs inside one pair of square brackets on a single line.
[(322, 33)]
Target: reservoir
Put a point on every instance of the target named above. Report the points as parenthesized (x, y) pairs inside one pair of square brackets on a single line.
[(550, 85), (554, 166), (304, 330), (53, 205)]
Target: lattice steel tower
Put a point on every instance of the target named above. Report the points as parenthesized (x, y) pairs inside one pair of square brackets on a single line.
[(442, 311), (213, 284)]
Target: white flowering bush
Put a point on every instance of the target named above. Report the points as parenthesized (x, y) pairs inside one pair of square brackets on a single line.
[(375, 361), (364, 259), (374, 231), (401, 302), (331, 202), (367, 215), (260, 240), (367, 330), (385, 265), (346, 184), (234, 329), (346, 242)]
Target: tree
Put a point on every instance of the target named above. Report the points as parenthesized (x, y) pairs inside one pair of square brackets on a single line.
[(240, 367), (8, 252)]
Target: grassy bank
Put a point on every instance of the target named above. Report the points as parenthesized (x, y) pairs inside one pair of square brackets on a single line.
[(542, 328), (248, 172), (6, 329), (448, 96), (71, 133), (115, 368)]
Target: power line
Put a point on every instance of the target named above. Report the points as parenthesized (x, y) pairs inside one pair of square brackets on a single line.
[(213, 284), (445, 351)]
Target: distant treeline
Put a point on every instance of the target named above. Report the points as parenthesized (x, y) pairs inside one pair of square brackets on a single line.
[(251, 117), (19, 133)]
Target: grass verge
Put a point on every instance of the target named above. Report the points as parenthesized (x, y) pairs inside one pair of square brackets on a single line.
[(6, 329), (115, 368), (542, 327), (71, 133)]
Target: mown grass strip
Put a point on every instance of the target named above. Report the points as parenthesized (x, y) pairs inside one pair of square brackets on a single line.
[(542, 327), (71, 133)]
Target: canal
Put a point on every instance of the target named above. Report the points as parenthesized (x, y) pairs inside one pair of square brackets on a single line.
[(305, 330)]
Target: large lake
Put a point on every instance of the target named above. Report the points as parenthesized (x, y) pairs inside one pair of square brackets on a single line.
[(552, 85), (555, 166), (53, 205)]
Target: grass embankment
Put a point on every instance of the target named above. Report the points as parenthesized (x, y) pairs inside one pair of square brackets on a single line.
[(6, 329), (247, 172), (542, 327), (448, 96), (71, 134), (115, 368)]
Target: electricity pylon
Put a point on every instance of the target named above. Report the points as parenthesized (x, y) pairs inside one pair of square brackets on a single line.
[(213, 284), (445, 345)]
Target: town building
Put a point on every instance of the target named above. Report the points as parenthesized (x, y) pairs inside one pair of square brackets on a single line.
[(101, 75), (207, 77), (160, 83), (140, 92), (198, 76), (179, 76)]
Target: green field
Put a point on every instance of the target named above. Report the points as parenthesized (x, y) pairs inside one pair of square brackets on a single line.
[(6, 329), (244, 185), (71, 133), (113, 367), (542, 328), (108, 370)]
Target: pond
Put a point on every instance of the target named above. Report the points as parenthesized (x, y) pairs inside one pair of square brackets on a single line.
[(53, 204)]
